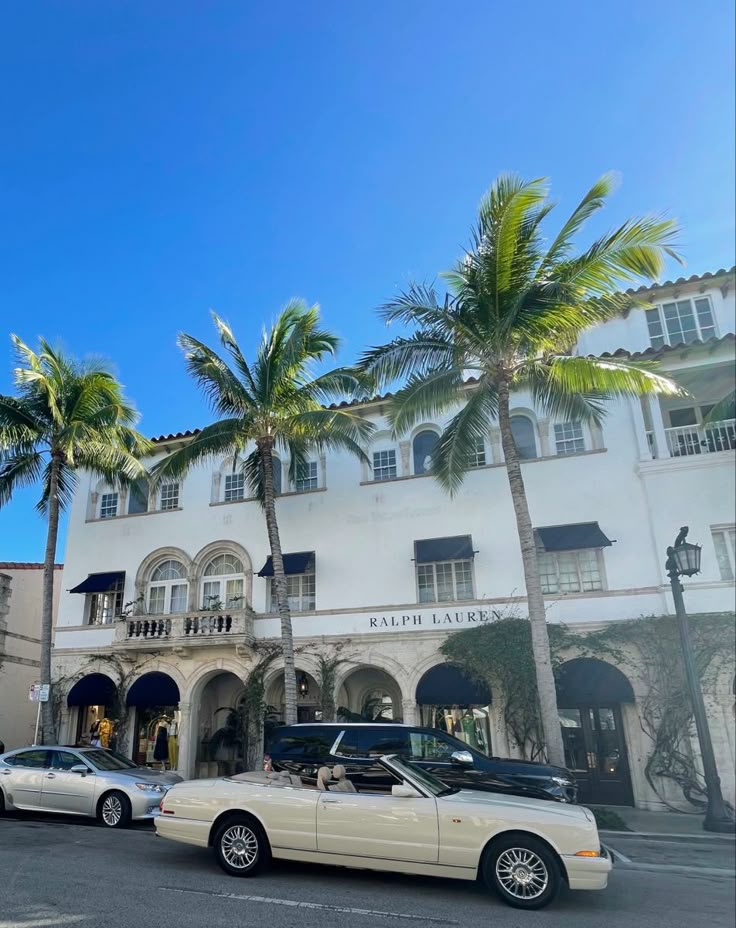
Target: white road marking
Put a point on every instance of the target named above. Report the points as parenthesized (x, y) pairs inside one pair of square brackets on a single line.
[(319, 906), (617, 855)]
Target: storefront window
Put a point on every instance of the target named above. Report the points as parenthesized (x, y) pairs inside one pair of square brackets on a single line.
[(156, 741), (470, 724)]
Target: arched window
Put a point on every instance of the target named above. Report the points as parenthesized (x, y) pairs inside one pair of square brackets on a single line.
[(168, 589), (423, 448), (224, 583), (522, 429)]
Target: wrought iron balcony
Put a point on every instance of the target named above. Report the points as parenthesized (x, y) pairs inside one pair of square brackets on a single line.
[(687, 440)]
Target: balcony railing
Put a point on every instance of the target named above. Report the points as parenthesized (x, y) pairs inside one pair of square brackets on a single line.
[(183, 629), (688, 440)]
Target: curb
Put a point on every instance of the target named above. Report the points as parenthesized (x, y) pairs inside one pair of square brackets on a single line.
[(666, 834)]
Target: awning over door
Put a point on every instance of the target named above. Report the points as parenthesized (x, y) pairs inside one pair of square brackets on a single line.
[(445, 685), (100, 583), (454, 548), (572, 537), (153, 689), (96, 689), (298, 563)]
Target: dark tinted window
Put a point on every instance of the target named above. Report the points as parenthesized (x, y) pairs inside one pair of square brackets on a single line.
[(64, 760), (373, 742), (34, 759), (303, 742)]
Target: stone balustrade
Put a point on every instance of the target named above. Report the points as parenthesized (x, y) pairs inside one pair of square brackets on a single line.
[(199, 628)]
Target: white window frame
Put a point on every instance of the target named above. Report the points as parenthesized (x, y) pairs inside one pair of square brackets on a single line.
[(661, 335), (454, 566), (105, 499), (306, 484), (392, 463), (576, 553), (105, 607), (479, 457), (167, 587), (569, 433), (169, 496), (222, 583), (236, 495), (725, 548), (301, 590)]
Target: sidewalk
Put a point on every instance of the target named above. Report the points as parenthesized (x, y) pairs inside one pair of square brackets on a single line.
[(641, 821)]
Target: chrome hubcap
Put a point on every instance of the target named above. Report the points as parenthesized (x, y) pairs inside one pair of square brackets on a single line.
[(112, 810), (522, 873), (239, 846)]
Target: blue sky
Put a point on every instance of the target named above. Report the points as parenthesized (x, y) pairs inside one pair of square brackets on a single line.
[(160, 160)]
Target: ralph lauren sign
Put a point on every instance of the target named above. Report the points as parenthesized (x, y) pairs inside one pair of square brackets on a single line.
[(433, 619)]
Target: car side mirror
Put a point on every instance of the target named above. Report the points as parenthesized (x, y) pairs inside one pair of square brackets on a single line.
[(81, 769), (464, 758), (404, 792)]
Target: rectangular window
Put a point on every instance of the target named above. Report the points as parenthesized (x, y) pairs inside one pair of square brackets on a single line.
[(478, 457), (680, 321), (301, 590), (384, 465), (157, 600), (234, 487), (138, 498), (569, 437), (179, 597), (109, 505), (306, 477), (104, 608), (570, 571), (170, 496), (724, 541), (445, 581)]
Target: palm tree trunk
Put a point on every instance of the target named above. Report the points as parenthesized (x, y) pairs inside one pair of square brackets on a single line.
[(551, 730), (47, 605), (265, 447)]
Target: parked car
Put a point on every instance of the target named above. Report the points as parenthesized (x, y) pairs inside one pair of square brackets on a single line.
[(523, 849), (81, 781), (303, 749)]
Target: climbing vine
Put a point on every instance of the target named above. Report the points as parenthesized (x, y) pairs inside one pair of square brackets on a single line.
[(500, 655)]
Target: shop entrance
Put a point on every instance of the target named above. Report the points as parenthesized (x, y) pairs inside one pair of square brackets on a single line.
[(454, 703), (590, 694), (155, 697), (96, 699)]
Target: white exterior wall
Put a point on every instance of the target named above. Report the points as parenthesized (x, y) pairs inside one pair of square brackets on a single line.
[(363, 535)]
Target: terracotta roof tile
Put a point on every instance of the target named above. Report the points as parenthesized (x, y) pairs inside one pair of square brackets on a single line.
[(646, 288), (653, 353)]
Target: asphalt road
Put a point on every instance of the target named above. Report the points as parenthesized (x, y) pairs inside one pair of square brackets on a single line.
[(69, 873)]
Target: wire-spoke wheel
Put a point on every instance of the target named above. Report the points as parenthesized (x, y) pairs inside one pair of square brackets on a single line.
[(240, 846), (114, 810), (523, 871)]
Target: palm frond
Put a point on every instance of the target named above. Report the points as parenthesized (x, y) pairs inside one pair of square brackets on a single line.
[(609, 377), (458, 443), (67, 481), (21, 468), (425, 396), (223, 390), (418, 353), (594, 200), (227, 436)]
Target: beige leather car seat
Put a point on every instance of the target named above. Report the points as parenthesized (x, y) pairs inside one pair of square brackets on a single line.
[(324, 774), (343, 785)]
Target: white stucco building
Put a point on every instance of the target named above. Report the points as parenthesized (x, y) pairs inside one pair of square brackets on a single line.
[(384, 565)]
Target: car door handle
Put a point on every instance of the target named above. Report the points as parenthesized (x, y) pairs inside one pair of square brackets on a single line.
[(50, 776), (330, 800), (6, 773)]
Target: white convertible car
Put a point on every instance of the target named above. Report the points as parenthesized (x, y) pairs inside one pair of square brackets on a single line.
[(523, 849)]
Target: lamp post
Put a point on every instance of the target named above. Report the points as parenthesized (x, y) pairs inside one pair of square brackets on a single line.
[(683, 560)]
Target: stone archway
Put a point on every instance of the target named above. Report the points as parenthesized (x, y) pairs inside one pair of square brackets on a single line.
[(591, 696), (369, 694), (154, 698), (449, 700)]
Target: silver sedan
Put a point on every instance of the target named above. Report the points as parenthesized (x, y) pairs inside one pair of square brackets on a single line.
[(81, 781)]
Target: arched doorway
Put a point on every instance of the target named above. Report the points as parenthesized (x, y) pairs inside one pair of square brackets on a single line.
[(369, 694), (95, 697), (590, 695), (155, 699), (221, 741), (308, 698), (449, 700)]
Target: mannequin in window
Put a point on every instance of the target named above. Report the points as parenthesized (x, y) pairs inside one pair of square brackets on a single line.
[(94, 734), (105, 730), (161, 748)]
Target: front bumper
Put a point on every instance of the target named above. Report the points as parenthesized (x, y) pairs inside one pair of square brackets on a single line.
[(588, 872), (144, 805)]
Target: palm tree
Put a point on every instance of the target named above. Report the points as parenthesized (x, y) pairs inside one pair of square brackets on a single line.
[(512, 315), (68, 416), (275, 404)]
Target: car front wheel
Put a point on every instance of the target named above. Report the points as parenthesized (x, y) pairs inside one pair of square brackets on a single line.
[(114, 810), (523, 871), (241, 846)]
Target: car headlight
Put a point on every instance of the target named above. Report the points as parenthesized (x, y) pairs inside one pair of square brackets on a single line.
[(561, 781), (151, 787)]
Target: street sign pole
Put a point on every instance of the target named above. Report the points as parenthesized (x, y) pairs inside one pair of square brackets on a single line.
[(38, 719)]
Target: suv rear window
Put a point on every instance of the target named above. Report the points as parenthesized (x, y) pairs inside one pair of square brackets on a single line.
[(303, 742), (373, 742)]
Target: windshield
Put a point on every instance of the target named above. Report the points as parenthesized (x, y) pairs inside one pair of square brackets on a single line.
[(108, 760), (412, 772)]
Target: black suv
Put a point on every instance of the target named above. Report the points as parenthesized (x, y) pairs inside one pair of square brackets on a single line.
[(303, 749)]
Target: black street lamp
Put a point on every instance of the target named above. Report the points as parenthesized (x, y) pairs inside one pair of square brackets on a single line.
[(683, 560)]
